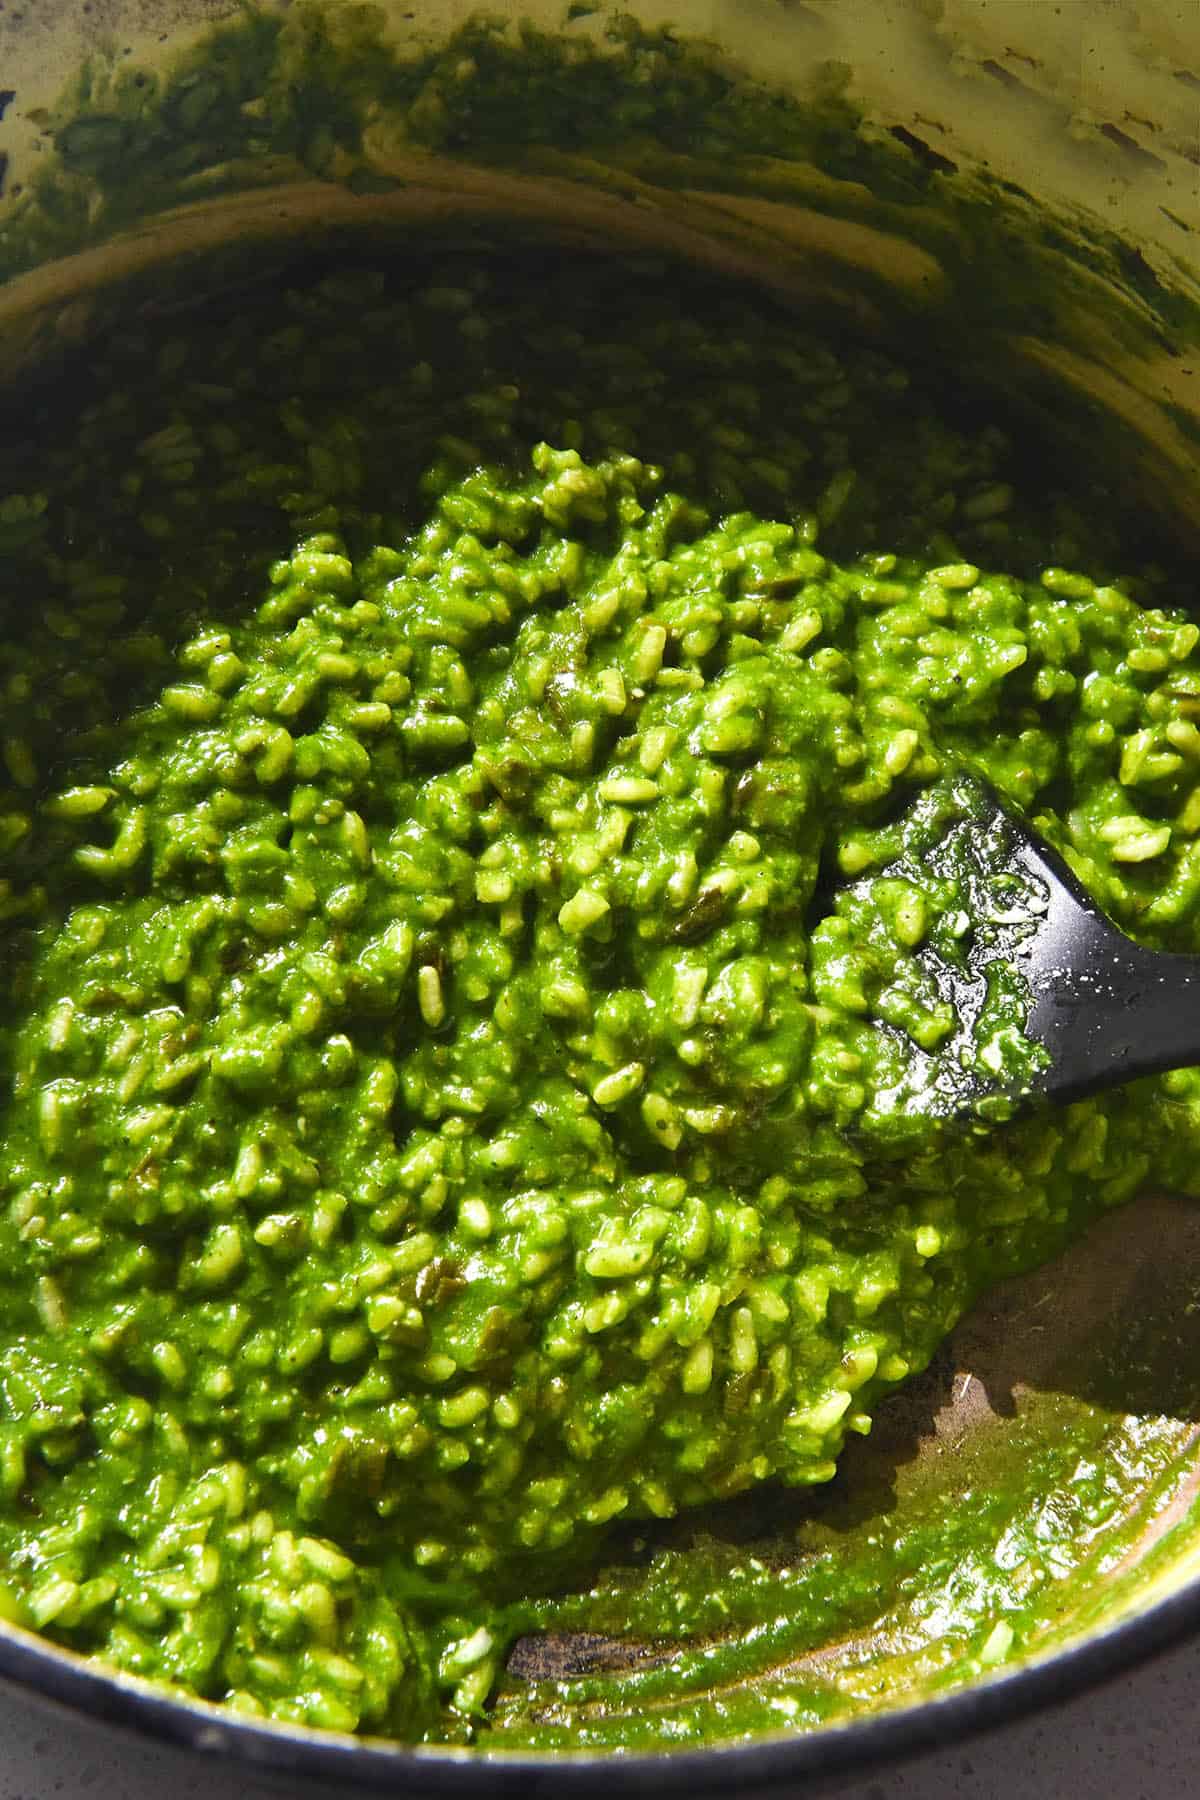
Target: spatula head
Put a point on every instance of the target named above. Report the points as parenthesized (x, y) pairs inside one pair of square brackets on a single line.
[(989, 897), (1048, 1000)]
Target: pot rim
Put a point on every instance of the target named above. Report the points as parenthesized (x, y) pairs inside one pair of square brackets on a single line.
[(145, 1709)]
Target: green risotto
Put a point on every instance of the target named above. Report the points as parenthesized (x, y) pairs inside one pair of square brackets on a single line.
[(469, 744)]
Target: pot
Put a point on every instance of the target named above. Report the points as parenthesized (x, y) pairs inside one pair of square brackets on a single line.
[(1017, 185)]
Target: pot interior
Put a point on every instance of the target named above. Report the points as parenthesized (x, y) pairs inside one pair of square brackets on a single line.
[(1038, 1483)]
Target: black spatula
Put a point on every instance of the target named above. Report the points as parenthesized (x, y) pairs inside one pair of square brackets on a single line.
[(1100, 1010)]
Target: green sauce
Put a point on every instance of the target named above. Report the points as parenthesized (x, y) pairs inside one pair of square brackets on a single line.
[(446, 1069)]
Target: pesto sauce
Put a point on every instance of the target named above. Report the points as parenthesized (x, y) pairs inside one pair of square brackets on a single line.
[(442, 1110)]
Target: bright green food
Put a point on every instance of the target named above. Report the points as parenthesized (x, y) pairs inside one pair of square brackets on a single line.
[(442, 1108)]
